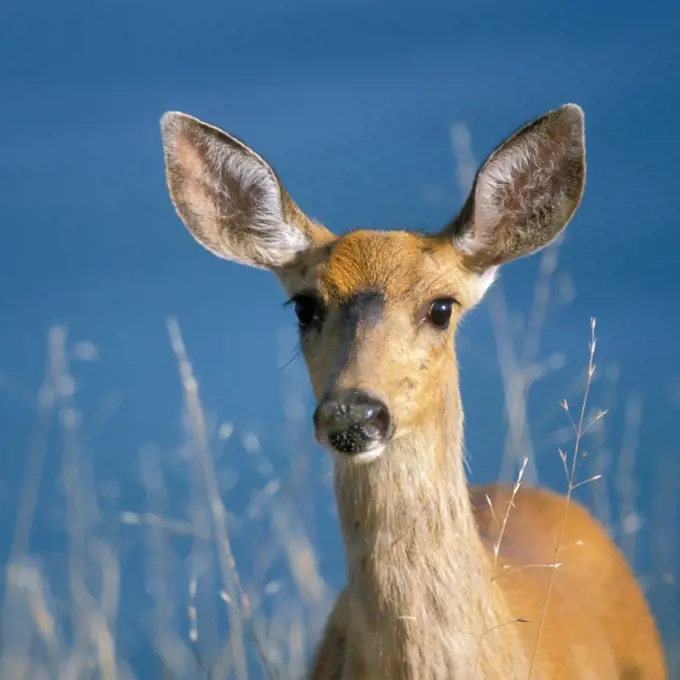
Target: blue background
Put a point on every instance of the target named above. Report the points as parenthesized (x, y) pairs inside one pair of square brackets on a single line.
[(353, 104)]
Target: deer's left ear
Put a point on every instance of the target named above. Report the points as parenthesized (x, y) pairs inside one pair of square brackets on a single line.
[(525, 193)]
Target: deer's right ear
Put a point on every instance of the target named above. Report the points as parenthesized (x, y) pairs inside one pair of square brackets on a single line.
[(230, 198)]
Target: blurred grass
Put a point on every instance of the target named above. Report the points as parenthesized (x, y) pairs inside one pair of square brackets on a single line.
[(206, 621), (202, 613)]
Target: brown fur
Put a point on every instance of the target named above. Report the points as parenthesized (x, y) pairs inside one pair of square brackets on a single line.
[(436, 590), (426, 598)]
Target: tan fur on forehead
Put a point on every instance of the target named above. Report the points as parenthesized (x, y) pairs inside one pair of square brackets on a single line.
[(396, 263)]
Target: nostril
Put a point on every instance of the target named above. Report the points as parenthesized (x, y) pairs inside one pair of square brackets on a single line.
[(332, 414), (325, 413), (383, 421), (379, 427)]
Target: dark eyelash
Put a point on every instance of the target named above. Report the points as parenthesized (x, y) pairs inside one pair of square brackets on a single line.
[(291, 300)]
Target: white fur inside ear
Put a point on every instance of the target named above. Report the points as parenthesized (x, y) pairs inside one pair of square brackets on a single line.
[(227, 195), (501, 176), (483, 282), (505, 190), (274, 239), (528, 189)]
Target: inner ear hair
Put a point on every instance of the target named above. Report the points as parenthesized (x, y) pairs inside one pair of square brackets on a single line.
[(525, 193), (230, 198)]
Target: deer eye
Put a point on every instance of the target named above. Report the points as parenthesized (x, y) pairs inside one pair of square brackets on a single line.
[(440, 312), (306, 309)]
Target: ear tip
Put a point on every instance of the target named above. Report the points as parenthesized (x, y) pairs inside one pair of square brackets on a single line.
[(172, 120), (573, 113), (572, 108)]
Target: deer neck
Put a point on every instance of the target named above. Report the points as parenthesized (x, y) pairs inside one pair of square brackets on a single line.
[(420, 580)]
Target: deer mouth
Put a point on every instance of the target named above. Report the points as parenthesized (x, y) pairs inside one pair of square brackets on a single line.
[(353, 445), (355, 439)]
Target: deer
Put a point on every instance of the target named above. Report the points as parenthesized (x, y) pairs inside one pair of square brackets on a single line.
[(431, 592)]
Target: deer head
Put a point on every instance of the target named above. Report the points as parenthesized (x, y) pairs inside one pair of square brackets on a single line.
[(377, 310)]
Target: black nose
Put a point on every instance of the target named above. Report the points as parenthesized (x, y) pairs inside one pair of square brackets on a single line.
[(352, 422)]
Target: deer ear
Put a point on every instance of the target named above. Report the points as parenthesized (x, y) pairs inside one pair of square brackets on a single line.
[(525, 193), (230, 198)]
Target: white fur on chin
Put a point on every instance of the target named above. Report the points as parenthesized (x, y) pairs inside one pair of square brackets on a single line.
[(371, 454)]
